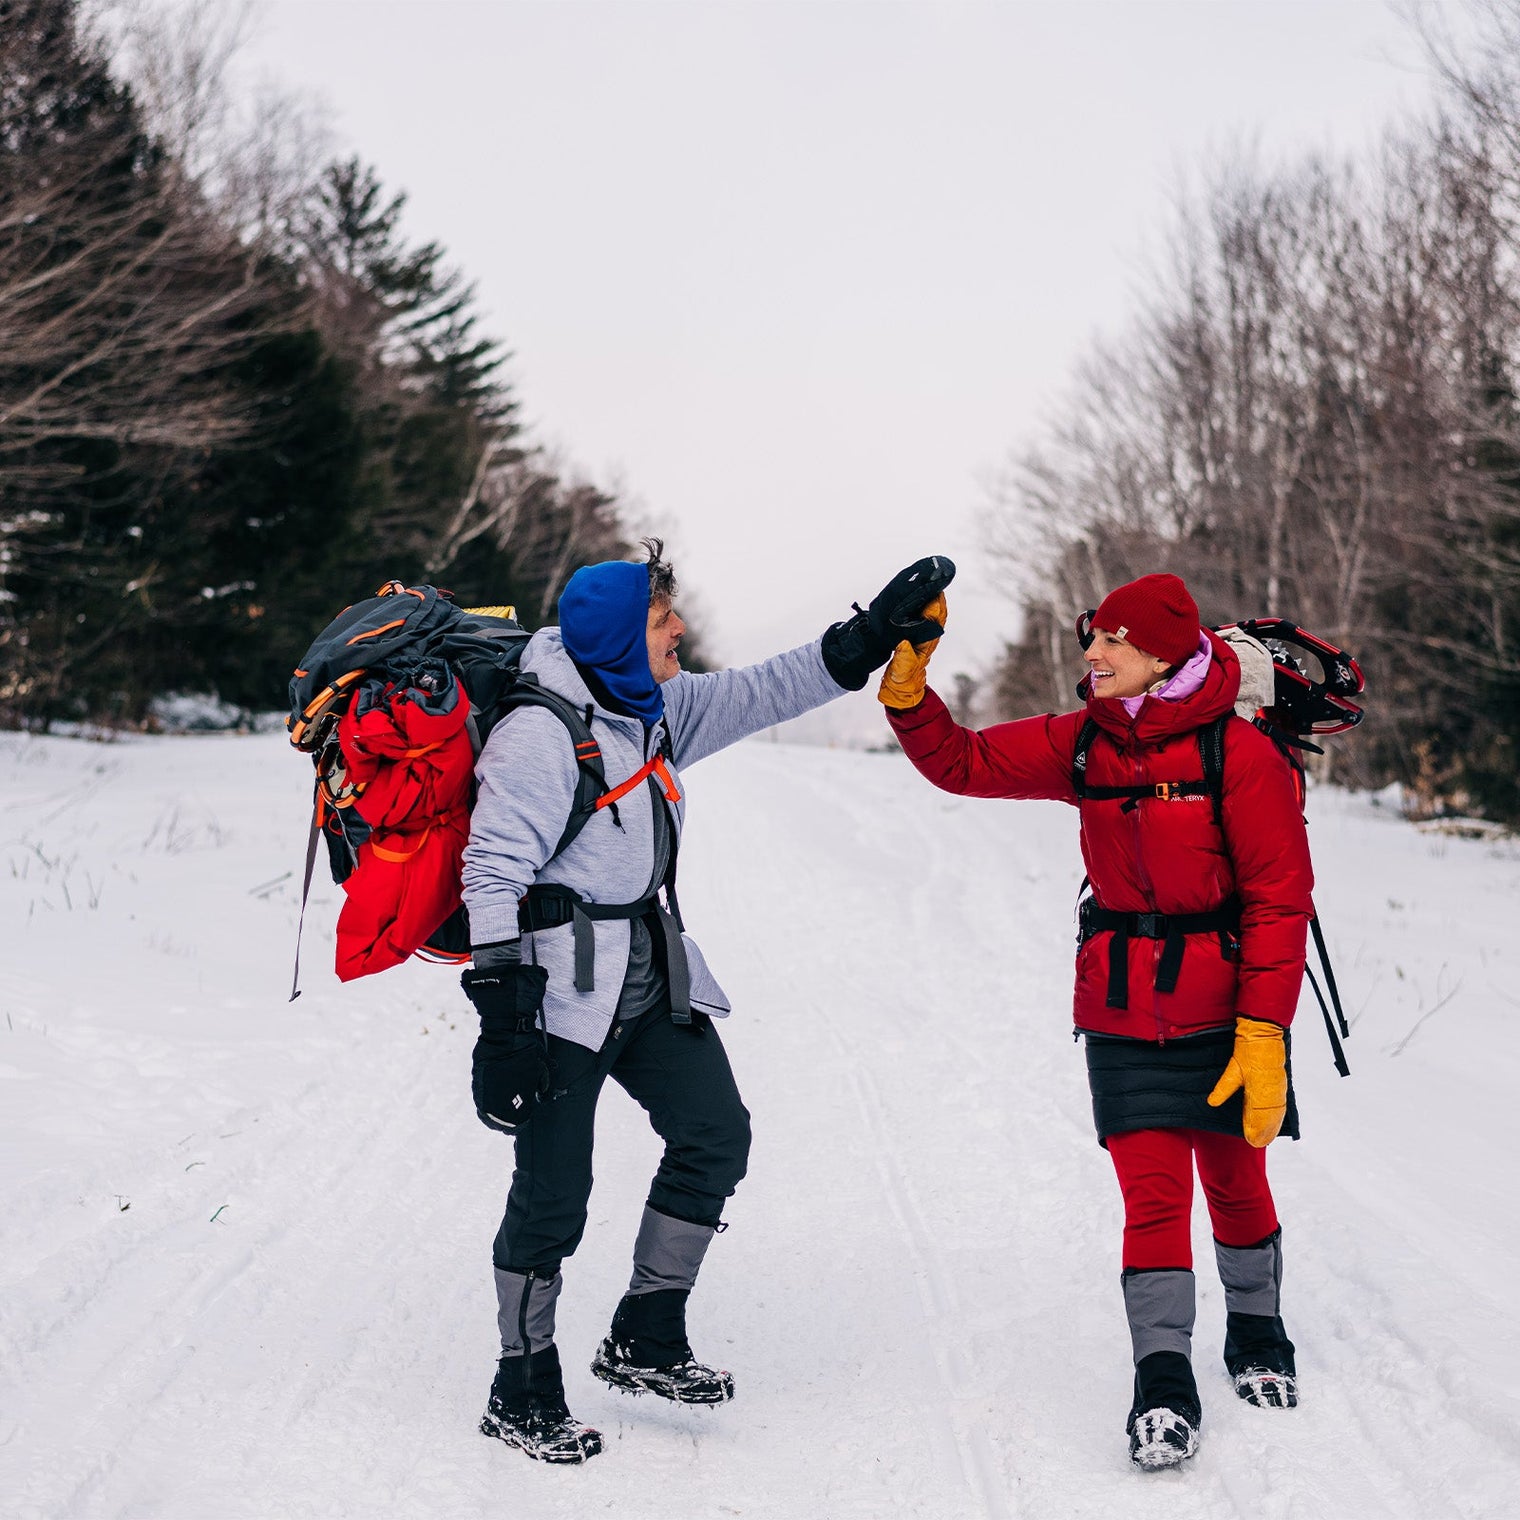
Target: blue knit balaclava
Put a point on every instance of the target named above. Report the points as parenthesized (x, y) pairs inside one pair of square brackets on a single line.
[(603, 618)]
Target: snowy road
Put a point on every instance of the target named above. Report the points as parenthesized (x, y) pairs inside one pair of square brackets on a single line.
[(245, 1249)]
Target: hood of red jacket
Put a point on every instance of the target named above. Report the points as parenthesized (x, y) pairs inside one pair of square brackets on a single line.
[(1158, 720)]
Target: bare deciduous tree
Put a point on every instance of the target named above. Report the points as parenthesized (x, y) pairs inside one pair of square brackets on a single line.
[(1313, 417)]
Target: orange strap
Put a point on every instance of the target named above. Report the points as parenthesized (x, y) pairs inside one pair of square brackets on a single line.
[(667, 781), (399, 857), (655, 767), (374, 633)]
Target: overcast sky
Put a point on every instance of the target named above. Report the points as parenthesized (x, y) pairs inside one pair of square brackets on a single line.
[(799, 277)]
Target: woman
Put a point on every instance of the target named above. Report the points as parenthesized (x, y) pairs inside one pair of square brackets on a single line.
[(1188, 971)]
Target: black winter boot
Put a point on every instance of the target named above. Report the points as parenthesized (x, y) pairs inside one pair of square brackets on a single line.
[(1257, 1351), (1165, 1416), (527, 1410), (1259, 1357), (647, 1352)]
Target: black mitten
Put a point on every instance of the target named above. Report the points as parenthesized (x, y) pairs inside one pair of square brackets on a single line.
[(854, 648), (509, 1072)]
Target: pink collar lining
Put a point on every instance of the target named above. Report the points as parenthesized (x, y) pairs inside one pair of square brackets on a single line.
[(1181, 683)]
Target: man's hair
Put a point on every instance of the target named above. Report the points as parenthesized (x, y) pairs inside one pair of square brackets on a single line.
[(662, 575)]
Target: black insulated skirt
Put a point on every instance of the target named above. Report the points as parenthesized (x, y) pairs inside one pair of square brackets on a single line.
[(1147, 1084)]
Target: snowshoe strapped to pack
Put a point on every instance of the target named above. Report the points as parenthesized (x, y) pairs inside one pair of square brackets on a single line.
[(1313, 681), (393, 701)]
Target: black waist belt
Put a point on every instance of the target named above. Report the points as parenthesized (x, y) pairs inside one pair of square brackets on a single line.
[(550, 907), (1173, 928)]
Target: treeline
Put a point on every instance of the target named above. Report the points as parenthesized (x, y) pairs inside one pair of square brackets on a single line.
[(1315, 416), (233, 396)]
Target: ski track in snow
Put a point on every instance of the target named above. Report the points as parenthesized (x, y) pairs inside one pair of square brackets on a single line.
[(246, 1245)]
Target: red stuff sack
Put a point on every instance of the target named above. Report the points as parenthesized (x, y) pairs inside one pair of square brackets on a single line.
[(410, 764)]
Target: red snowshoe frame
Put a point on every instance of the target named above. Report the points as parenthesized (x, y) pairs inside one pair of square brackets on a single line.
[(1303, 704)]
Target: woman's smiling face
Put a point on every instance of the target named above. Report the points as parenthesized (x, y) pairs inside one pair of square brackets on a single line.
[(1118, 668)]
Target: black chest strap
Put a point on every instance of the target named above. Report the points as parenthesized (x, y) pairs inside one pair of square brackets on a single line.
[(1210, 751)]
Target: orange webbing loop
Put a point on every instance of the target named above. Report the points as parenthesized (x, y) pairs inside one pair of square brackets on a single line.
[(667, 781), (399, 857), (655, 767)]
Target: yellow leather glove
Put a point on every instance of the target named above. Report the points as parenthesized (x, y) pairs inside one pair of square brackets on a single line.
[(907, 673), (1259, 1065)]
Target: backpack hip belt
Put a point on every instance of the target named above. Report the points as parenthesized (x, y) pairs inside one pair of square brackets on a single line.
[(551, 906), (1172, 928)]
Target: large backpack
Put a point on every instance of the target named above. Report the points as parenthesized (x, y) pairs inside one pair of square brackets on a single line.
[(393, 702), (1294, 684)]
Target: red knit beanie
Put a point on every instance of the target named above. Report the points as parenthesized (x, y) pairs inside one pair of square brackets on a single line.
[(1156, 614)]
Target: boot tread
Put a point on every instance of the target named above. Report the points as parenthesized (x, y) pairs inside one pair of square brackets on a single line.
[(1161, 1438), (684, 1382), (545, 1438)]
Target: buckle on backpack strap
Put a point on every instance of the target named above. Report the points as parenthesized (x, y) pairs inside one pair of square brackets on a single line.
[(1166, 790), (1149, 925), (545, 907)]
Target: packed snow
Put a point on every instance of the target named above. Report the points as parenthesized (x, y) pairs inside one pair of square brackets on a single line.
[(245, 1248)]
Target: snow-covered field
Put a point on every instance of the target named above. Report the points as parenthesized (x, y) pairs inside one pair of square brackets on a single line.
[(245, 1243)]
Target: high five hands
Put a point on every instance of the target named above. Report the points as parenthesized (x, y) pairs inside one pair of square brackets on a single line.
[(909, 609)]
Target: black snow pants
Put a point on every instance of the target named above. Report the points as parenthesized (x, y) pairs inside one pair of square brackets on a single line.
[(680, 1076)]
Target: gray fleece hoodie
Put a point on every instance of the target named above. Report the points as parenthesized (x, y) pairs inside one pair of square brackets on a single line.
[(527, 779)]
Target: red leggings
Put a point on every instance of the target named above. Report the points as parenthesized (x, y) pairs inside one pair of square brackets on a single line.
[(1155, 1168)]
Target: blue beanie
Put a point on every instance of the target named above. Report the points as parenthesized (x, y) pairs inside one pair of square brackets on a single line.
[(603, 619)]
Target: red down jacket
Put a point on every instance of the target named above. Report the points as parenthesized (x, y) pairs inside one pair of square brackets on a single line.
[(1162, 856), (410, 750)]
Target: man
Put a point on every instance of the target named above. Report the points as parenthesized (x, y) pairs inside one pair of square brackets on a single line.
[(580, 973)]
